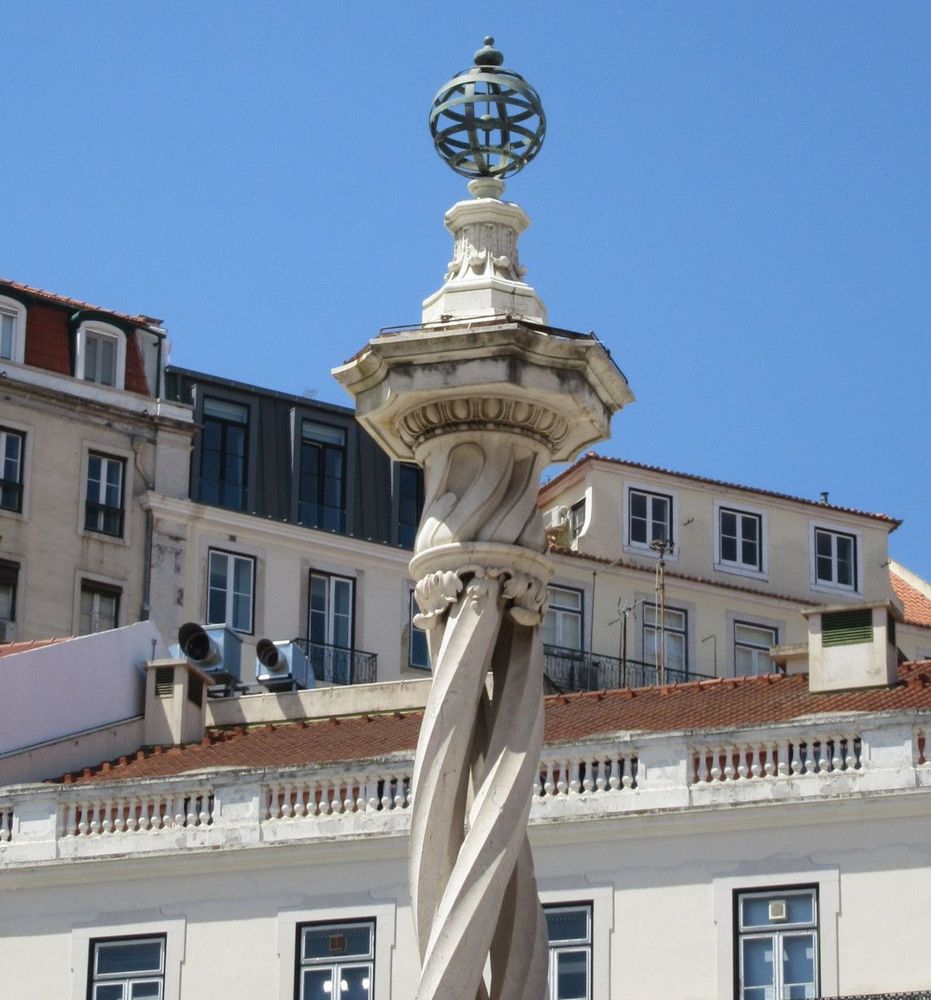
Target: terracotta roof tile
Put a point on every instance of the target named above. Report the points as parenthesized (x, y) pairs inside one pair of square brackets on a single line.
[(916, 606), (726, 703), (9, 648), (593, 457), (64, 300)]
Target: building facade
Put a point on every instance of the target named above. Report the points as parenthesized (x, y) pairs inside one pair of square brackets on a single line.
[(85, 435)]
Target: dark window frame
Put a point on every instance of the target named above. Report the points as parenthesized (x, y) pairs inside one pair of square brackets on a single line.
[(406, 530), (414, 632), (115, 939), (299, 964), (580, 611), (9, 575), (220, 484), (573, 944), (100, 517), (323, 450), (91, 586), (650, 495), (834, 534), (738, 563), (12, 488)]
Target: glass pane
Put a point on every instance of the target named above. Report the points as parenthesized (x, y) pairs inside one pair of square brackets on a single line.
[(129, 956), (728, 549), (572, 975), (801, 908), (242, 576), (323, 433), (675, 651), (6, 336), (728, 523), (567, 925), (748, 553), (150, 990), (6, 602), (754, 635), (569, 630), (660, 518), (94, 476), (108, 991), (226, 411), (845, 560), (317, 984), (90, 359), (107, 356), (355, 982), (823, 543), (825, 569), (219, 567), (798, 963), (674, 619), (758, 964), (336, 942)]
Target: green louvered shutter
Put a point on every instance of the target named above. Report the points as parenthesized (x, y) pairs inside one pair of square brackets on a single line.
[(844, 628)]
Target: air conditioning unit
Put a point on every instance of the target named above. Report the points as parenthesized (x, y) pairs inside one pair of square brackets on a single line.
[(282, 666), (556, 523), (215, 649)]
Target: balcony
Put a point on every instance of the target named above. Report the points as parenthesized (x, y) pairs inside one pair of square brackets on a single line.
[(575, 670), (338, 665)]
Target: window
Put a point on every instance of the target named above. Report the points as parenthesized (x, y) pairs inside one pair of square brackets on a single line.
[(11, 470), (223, 454), (127, 969), (100, 607), (835, 559), (321, 497), (329, 626), (9, 577), (777, 944), (649, 518), (229, 590), (103, 508), (674, 629), (740, 540), (336, 961), (562, 625), (751, 649), (576, 519), (101, 354), (418, 654), (410, 504), (12, 330), (570, 936)]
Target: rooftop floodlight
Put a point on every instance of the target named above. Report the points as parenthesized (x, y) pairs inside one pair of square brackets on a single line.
[(487, 121)]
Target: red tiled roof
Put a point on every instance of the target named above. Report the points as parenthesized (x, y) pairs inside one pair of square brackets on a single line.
[(64, 300), (592, 456), (727, 703), (917, 607), (9, 648)]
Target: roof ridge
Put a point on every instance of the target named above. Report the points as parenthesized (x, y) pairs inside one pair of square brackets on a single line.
[(41, 293)]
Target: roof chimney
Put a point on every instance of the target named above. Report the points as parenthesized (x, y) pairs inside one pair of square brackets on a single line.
[(175, 702)]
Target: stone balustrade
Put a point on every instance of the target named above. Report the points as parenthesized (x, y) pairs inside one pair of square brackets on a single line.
[(630, 774)]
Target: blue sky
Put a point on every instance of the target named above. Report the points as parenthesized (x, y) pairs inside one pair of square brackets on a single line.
[(735, 196)]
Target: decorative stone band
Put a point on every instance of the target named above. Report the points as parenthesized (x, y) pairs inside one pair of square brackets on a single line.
[(486, 413), (484, 248), (442, 572)]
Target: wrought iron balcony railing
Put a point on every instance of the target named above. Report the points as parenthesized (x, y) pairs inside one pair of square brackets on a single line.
[(575, 670), (338, 665)]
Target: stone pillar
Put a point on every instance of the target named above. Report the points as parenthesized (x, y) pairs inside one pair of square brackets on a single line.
[(483, 396)]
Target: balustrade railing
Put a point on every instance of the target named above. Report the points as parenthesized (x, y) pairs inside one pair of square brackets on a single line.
[(338, 665), (586, 775), (98, 815), (753, 758), (575, 670), (6, 822), (309, 797)]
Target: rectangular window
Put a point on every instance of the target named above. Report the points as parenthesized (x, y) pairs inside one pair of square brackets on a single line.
[(322, 490), (674, 631), (223, 453), (127, 969), (570, 955), (11, 470), (336, 961), (835, 558), (100, 607), (562, 625), (229, 590), (9, 578), (330, 627), (7, 334), (751, 649), (100, 357), (740, 539), (410, 504), (418, 656), (777, 944), (103, 508), (576, 519), (649, 517)]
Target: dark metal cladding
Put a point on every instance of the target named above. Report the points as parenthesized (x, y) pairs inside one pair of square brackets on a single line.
[(487, 121)]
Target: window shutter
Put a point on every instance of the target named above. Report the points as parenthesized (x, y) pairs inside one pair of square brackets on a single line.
[(844, 628)]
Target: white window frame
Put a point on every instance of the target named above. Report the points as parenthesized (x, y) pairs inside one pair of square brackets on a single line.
[(740, 568), (562, 611), (95, 328), (579, 525), (827, 882), (824, 586), (174, 930), (665, 632), (583, 945), (639, 548), (335, 964), (127, 979), (17, 311), (602, 902), (735, 624), (5, 431), (117, 454), (334, 911), (231, 558)]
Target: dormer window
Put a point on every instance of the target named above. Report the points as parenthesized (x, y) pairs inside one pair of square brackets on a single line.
[(12, 330), (101, 354)]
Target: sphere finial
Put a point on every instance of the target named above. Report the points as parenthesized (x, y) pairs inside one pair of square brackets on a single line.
[(487, 121)]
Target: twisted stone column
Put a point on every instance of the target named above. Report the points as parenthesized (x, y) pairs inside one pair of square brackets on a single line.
[(481, 591)]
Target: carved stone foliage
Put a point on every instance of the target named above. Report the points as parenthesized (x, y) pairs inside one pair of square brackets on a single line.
[(485, 249), (483, 413)]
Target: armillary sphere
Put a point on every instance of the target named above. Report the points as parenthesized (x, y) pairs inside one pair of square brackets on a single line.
[(487, 121)]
